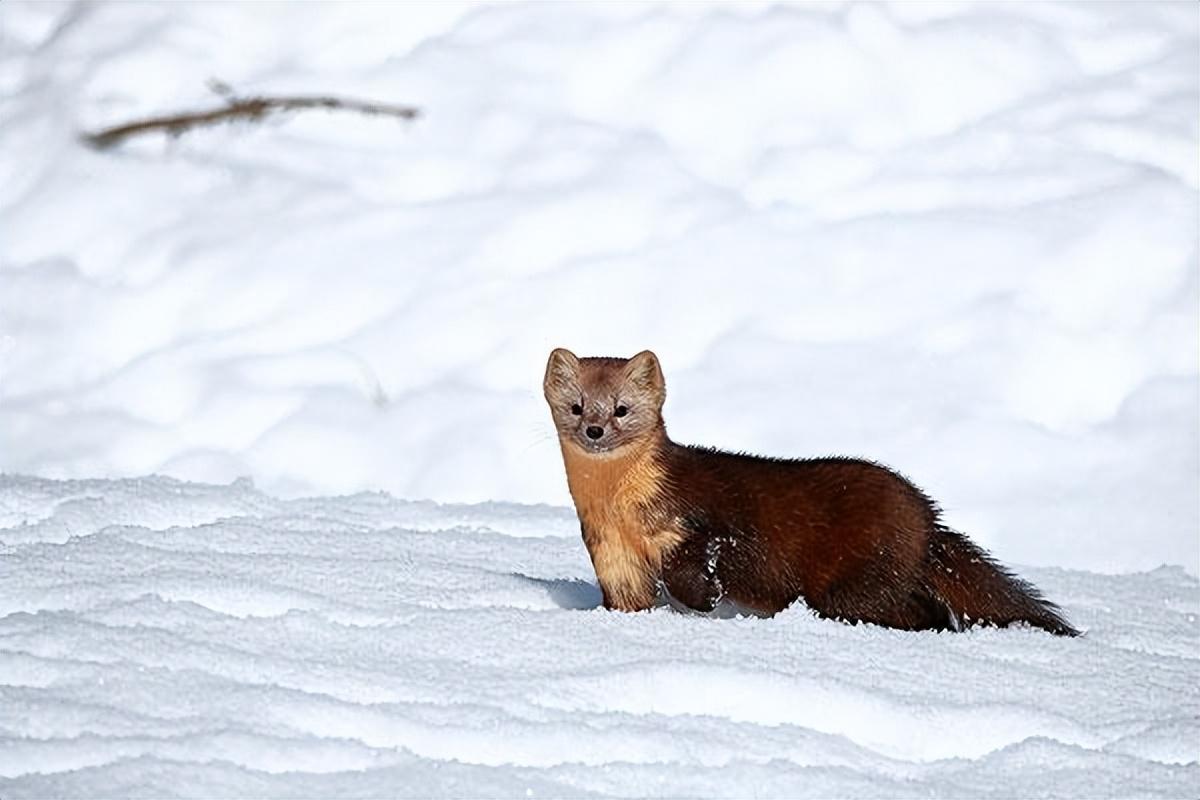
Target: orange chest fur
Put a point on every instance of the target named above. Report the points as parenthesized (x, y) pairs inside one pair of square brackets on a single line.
[(613, 490), (615, 498)]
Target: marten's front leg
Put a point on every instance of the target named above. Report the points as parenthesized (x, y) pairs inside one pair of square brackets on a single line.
[(626, 576), (690, 576)]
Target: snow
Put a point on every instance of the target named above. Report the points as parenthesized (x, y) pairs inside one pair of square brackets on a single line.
[(160, 637), (960, 239), (914, 232)]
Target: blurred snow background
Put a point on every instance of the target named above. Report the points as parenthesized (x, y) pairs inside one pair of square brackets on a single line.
[(959, 239)]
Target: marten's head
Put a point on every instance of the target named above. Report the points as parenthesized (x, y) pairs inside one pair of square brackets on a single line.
[(601, 405)]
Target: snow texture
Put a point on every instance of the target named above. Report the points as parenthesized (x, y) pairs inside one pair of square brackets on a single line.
[(958, 239), (165, 638)]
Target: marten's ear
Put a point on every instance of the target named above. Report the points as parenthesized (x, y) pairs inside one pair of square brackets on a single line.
[(562, 373), (643, 373)]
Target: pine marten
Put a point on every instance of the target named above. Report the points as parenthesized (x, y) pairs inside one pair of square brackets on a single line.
[(853, 539)]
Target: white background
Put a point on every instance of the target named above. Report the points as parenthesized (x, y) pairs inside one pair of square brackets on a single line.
[(961, 240)]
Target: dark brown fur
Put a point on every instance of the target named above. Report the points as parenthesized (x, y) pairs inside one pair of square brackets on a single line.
[(855, 540)]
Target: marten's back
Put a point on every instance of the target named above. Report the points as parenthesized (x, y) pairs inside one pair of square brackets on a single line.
[(847, 535)]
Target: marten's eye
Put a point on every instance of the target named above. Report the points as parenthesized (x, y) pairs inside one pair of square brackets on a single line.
[(576, 409), (620, 411)]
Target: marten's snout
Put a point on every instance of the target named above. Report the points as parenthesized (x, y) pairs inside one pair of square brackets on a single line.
[(594, 431)]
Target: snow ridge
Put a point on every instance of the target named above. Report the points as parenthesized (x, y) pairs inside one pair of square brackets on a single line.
[(168, 638)]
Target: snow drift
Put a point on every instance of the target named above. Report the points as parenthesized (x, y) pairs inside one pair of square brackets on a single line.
[(961, 240), (165, 638)]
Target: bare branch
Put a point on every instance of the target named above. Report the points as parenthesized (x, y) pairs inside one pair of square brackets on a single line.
[(246, 108)]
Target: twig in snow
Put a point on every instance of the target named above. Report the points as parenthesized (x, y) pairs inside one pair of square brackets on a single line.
[(241, 108)]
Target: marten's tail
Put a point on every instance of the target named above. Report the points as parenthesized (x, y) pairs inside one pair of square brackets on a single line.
[(975, 589)]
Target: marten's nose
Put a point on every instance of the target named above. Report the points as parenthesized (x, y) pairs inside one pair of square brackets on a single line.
[(594, 431)]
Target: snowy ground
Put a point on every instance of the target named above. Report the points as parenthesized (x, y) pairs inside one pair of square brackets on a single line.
[(960, 239), (160, 638)]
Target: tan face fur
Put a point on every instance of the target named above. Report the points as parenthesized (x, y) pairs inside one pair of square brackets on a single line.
[(602, 405)]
